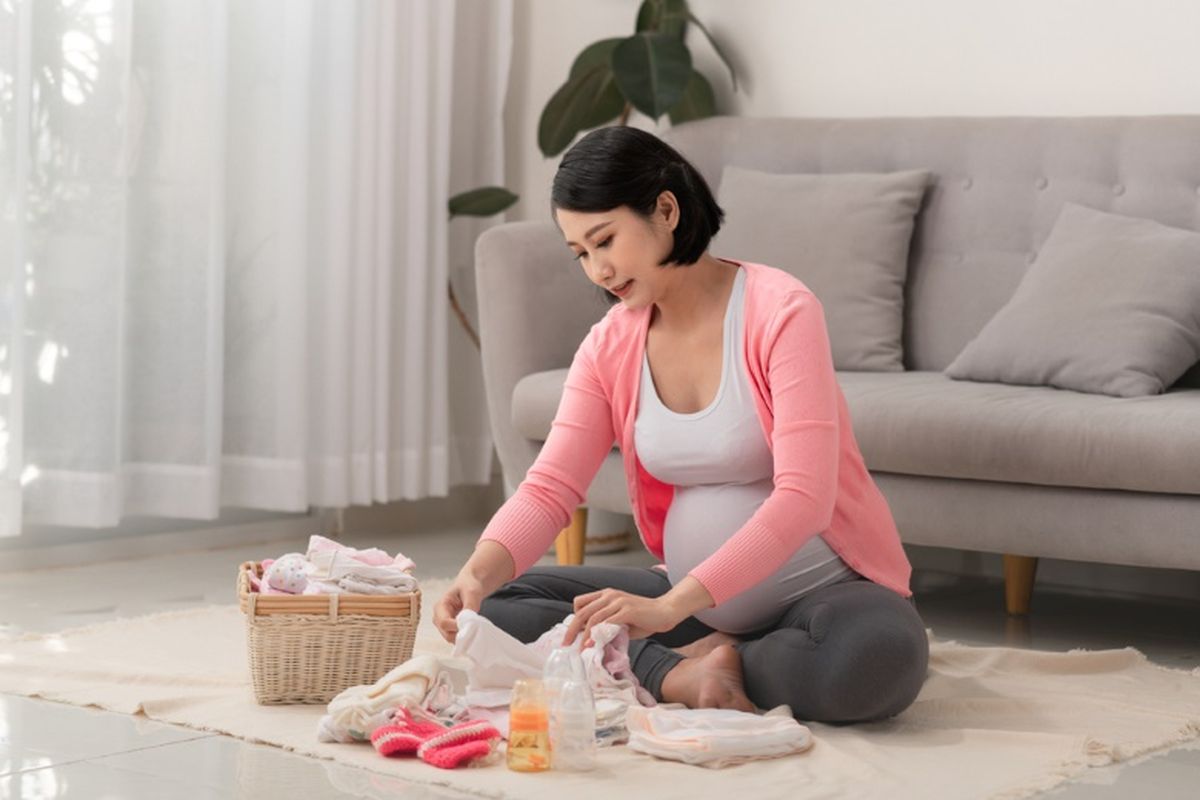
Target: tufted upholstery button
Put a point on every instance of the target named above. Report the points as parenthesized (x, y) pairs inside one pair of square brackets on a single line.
[(966, 184), (1118, 189), (1042, 183)]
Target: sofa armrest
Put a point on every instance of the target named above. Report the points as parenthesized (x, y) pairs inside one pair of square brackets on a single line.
[(535, 308)]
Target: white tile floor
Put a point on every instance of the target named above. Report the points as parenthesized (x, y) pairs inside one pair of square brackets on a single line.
[(50, 750)]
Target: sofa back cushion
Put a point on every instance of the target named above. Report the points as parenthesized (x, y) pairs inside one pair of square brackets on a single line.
[(845, 236), (998, 186)]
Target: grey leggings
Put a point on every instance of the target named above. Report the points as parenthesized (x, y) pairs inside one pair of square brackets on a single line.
[(848, 652)]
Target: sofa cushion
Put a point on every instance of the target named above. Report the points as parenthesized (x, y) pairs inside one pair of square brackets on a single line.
[(1111, 305), (845, 236), (924, 423)]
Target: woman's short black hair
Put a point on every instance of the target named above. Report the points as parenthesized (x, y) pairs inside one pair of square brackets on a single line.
[(625, 166)]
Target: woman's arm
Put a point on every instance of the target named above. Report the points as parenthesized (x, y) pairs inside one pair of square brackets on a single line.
[(686, 598), (581, 436), (491, 566)]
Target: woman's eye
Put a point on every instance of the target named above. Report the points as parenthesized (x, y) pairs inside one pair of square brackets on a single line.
[(605, 243)]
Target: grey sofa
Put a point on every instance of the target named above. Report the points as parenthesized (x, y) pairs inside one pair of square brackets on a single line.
[(1018, 470)]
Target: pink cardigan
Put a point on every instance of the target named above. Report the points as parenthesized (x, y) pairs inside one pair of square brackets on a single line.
[(821, 483)]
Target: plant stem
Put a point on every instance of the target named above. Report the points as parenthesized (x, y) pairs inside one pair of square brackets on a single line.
[(461, 316)]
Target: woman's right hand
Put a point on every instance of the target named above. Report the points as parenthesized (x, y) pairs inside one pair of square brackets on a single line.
[(465, 592)]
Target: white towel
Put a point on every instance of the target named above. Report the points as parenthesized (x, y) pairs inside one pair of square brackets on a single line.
[(714, 737)]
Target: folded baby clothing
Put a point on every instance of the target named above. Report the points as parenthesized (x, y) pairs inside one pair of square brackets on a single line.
[(331, 568), (610, 722), (321, 550), (499, 659), (715, 737), (433, 684)]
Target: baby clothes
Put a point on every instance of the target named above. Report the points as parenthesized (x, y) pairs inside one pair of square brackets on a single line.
[(352, 575), (498, 660), (332, 568), (431, 683), (288, 573), (714, 737), (412, 732), (321, 550)]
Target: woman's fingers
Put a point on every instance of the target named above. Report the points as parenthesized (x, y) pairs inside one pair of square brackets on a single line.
[(602, 609), (582, 613), (582, 600)]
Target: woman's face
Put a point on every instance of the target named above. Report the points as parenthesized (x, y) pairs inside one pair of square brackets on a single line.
[(619, 247)]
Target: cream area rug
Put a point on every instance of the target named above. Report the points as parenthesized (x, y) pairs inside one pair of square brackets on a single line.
[(990, 722)]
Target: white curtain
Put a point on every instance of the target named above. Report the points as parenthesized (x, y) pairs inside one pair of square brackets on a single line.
[(224, 250)]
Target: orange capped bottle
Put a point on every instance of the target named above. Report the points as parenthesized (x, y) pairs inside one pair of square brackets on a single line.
[(528, 727)]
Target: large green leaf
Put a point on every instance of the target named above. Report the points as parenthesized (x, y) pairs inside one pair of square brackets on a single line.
[(482, 202), (697, 101), (663, 16), (609, 101), (595, 53), (652, 70), (577, 105), (715, 46)]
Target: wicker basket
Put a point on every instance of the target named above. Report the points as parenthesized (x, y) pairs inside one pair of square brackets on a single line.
[(305, 649)]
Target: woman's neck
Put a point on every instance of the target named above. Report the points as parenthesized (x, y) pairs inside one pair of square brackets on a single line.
[(699, 291)]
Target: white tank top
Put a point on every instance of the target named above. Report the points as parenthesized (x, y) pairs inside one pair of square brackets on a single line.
[(722, 469)]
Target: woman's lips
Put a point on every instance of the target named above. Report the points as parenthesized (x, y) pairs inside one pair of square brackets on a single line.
[(621, 292)]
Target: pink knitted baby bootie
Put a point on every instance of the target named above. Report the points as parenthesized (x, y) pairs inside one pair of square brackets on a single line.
[(433, 742)]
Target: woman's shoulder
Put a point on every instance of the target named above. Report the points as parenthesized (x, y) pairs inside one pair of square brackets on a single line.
[(772, 292), (764, 279)]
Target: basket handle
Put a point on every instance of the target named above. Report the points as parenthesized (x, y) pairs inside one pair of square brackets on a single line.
[(333, 607)]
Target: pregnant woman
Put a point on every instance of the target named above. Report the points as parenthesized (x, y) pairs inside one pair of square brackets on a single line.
[(783, 577)]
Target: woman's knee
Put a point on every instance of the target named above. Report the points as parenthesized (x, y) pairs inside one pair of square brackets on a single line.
[(877, 669)]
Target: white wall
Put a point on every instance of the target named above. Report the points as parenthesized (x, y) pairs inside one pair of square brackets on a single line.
[(861, 58)]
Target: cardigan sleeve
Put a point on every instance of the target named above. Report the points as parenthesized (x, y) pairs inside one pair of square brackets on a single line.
[(805, 450), (580, 438)]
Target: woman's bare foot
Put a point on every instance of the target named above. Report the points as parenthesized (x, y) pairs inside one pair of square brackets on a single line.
[(704, 645), (713, 680)]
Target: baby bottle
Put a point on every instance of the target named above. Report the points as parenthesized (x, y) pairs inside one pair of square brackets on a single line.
[(528, 727), (564, 663), (572, 711)]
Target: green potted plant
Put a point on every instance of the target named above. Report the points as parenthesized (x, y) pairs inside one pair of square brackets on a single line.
[(650, 71)]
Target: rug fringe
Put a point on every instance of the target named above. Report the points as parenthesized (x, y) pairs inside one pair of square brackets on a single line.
[(1098, 753)]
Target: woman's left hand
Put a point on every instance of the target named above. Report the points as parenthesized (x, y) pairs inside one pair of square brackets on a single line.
[(642, 615)]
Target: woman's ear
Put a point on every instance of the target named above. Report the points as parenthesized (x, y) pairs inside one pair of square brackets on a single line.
[(667, 211)]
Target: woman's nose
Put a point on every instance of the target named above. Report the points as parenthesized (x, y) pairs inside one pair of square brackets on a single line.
[(601, 274)]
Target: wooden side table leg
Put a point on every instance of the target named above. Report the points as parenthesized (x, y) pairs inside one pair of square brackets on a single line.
[(1018, 582), (568, 547)]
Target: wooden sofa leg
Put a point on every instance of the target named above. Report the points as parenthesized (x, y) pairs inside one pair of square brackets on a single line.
[(1018, 582), (568, 547)]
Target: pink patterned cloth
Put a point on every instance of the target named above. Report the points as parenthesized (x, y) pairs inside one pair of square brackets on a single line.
[(320, 556)]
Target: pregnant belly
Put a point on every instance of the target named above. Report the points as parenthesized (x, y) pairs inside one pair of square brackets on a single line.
[(702, 518)]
